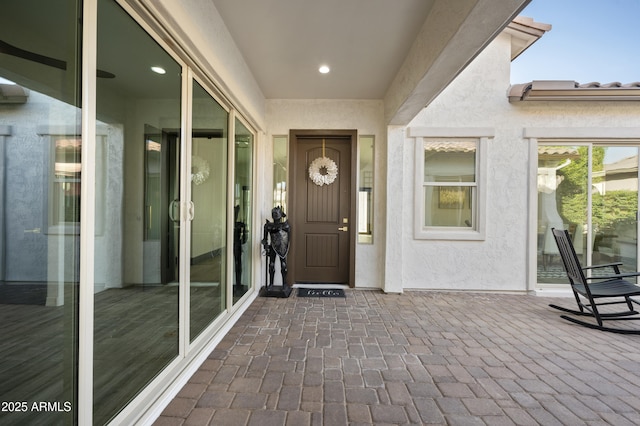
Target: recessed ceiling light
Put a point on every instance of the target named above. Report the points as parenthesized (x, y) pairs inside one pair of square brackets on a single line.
[(158, 70), (324, 69)]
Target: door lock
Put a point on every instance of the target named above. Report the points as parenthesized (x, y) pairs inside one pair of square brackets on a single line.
[(343, 229)]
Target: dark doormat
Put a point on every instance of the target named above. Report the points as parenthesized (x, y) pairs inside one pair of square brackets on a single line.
[(321, 292)]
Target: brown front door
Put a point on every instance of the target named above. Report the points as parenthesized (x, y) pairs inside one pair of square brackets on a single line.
[(321, 215)]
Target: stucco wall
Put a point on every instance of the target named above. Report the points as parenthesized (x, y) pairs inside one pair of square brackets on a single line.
[(25, 229), (478, 98)]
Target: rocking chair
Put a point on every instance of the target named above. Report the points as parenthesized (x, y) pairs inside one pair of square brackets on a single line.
[(595, 291)]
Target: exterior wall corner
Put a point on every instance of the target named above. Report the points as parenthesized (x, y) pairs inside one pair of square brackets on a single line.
[(394, 209)]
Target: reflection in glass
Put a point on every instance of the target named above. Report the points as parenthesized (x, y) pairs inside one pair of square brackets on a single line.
[(450, 161), (153, 185), (615, 206), (209, 224), (136, 299), (66, 182), (450, 188), (607, 232), (562, 203), (280, 171), (40, 145), (242, 210), (365, 190)]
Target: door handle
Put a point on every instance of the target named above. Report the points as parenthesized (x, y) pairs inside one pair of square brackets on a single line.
[(343, 229), (172, 213), (186, 210)]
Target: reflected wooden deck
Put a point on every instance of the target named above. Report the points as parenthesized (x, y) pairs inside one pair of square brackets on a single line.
[(136, 336)]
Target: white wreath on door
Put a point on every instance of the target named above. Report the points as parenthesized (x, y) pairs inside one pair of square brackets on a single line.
[(199, 170), (323, 171)]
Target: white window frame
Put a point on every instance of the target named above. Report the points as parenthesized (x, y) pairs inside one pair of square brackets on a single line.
[(577, 136), (482, 137)]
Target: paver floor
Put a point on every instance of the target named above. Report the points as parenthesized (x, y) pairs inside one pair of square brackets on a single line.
[(417, 358)]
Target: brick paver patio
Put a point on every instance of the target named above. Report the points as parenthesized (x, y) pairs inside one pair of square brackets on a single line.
[(416, 358)]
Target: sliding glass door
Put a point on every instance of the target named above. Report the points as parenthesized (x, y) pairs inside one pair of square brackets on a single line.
[(88, 330), (136, 291), (591, 190)]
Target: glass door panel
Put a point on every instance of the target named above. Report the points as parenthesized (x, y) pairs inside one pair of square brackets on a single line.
[(592, 191), (136, 300), (208, 226), (562, 203), (242, 243), (615, 206), (40, 180), (162, 200)]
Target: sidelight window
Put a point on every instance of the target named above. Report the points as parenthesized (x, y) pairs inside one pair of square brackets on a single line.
[(365, 189), (280, 170)]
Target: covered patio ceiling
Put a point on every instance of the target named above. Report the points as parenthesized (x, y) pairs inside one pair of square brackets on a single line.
[(403, 52)]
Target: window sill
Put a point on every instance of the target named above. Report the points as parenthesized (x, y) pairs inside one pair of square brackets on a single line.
[(449, 234)]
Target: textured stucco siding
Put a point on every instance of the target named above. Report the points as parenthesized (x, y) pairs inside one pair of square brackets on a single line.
[(478, 98)]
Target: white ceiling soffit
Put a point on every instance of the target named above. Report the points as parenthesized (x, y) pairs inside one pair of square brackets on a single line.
[(286, 41), (524, 31), (376, 49)]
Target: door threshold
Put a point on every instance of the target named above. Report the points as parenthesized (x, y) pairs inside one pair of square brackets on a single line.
[(320, 285)]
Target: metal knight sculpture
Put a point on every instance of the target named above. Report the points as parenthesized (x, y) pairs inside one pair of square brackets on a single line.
[(276, 243)]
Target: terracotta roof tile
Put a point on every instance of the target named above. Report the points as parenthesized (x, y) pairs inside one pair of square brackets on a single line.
[(450, 146), (563, 90), (545, 151)]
